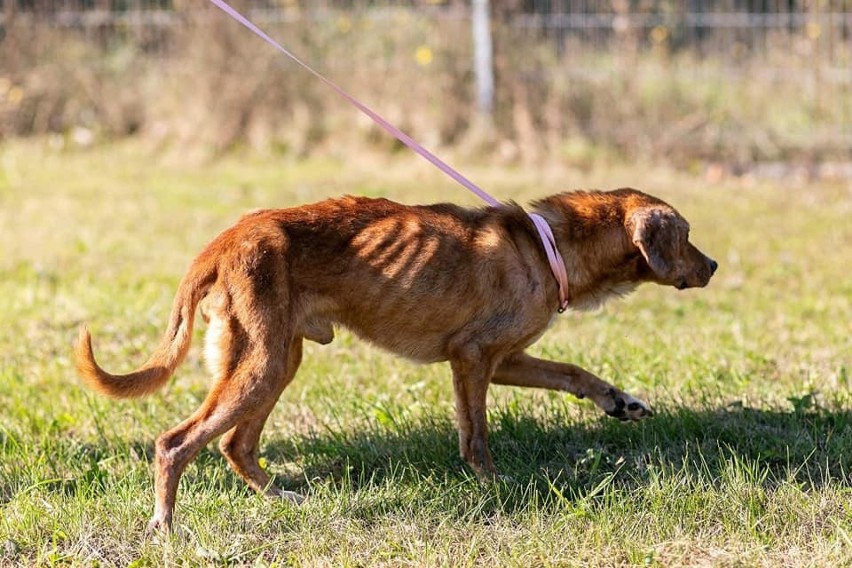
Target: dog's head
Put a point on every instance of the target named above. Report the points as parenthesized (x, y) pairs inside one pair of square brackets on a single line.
[(662, 237)]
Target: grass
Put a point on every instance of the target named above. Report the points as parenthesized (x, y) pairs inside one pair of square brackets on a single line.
[(746, 463)]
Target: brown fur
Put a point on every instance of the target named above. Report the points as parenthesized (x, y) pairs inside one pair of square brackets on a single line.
[(431, 283)]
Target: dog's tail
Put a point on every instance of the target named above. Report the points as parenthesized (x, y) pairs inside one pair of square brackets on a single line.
[(168, 355)]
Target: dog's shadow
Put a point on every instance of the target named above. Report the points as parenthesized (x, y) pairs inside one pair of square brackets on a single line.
[(807, 444), (561, 454)]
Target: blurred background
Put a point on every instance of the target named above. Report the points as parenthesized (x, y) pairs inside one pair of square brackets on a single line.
[(713, 86)]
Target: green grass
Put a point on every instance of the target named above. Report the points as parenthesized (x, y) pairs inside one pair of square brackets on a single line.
[(746, 463)]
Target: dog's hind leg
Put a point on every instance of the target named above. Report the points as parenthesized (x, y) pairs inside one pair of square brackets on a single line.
[(525, 371), (240, 444), (253, 374)]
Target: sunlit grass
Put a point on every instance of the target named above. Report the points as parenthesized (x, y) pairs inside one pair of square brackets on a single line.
[(745, 463)]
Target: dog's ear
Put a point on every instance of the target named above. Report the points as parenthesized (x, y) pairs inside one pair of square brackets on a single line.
[(655, 234)]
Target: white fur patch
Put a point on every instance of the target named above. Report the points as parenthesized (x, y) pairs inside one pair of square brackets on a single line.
[(212, 345)]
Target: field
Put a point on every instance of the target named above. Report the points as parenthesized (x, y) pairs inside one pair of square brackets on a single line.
[(748, 460)]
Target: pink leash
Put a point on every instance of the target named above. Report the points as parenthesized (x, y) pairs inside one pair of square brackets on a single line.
[(557, 265)]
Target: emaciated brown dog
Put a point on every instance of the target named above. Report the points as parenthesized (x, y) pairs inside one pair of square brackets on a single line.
[(431, 283)]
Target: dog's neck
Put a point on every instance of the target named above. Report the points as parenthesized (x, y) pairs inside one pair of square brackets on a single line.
[(600, 257)]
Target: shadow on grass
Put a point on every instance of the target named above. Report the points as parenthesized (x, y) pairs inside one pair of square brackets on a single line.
[(552, 458), (807, 446)]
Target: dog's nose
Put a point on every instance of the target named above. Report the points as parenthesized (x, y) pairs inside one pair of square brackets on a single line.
[(713, 266)]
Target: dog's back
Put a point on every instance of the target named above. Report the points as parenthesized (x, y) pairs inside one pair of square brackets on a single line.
[(387, 270)]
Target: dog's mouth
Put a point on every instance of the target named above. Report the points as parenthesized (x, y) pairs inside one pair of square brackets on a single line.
[(685, 283)]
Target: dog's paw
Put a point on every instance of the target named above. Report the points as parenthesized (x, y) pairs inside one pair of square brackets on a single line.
[(496, 479), (158, 527), (625, 407)]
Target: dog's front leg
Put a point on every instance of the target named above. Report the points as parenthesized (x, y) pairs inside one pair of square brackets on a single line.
[(525, 371), (471, 377)]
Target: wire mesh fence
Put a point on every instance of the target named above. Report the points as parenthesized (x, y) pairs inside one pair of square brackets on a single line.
[(642, 75), (715, 27)]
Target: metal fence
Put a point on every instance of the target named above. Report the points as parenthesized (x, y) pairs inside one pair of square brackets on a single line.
[(775, 30), (778, 31), (705, 25), (818, 29)]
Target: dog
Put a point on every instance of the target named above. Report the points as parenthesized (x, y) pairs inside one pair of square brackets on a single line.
[(430, 283)]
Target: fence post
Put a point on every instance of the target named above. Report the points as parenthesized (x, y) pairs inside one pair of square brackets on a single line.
[(9, 14), (10, 35), (483, 60)]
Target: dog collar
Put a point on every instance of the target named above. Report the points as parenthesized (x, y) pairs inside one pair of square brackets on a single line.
[(557, 265)]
